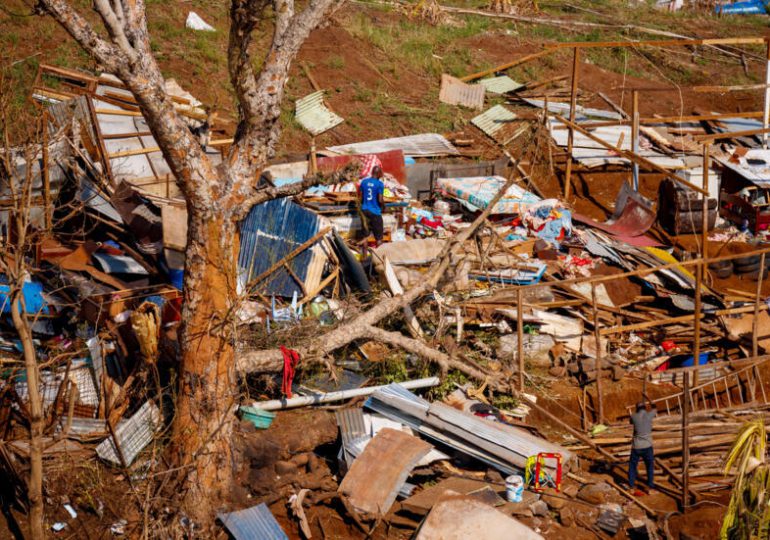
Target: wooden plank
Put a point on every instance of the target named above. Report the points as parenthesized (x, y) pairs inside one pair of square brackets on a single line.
[(626, 154), (395, 287), (506, 66), (658, 43)]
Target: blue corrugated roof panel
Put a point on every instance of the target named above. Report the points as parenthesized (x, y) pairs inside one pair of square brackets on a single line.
[(255, 523), (269, 233)]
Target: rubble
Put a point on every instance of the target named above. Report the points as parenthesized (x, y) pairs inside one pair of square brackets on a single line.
[(538, 298)]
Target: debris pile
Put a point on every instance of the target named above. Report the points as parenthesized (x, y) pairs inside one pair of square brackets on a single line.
[(544, 320)]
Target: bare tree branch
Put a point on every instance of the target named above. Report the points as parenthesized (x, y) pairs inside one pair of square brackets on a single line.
[(262, 98), (81, 31)]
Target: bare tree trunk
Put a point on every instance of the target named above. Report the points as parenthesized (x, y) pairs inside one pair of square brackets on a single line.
[(35, 485), (207, 389)]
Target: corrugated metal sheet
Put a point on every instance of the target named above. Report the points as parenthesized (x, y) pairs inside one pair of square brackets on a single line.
[(581, 113), (351, 424), (270, 232), (504, 447), (456, 92), (255, 523), (500, 85), (426, 144), (493, 120), (132, 435), (313, 115), (83, 428), (592, 154), (119, 264)]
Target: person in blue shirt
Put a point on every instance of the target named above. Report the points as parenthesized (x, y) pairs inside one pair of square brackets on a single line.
[(371, 195)]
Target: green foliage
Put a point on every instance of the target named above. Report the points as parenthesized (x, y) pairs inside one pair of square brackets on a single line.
[(748, 514), (336, 62)]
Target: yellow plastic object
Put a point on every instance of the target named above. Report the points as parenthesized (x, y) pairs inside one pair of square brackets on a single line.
[(667, 258)]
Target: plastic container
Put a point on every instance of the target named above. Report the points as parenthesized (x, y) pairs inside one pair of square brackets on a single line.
[(514, 487)]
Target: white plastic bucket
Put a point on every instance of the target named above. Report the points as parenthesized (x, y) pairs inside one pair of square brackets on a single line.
[(514, 487)]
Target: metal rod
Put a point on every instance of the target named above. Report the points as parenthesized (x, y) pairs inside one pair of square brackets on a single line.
[(571, 136), (300, 401), (696, 324)]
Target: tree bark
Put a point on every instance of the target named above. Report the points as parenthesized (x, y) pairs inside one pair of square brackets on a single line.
[(207, 389), (36, 420)]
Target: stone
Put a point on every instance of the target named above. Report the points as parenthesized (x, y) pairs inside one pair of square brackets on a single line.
[(559, 371), (539, 508), (554, 503), (566, 517), (570, 491), (285, 468), (536, 348), (595, 493)]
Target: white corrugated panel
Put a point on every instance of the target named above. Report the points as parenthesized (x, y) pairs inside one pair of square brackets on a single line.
[(313, 115)]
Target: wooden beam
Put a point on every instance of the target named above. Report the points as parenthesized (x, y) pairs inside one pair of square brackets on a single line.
[(735, 134), (626, 154), (572, 111), (151, 149), (679, 319), (506, 66), (296, 251), (659, 43), (724, 89)]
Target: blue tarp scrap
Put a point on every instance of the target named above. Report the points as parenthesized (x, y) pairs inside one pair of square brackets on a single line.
[(747, 7), (33, 297)]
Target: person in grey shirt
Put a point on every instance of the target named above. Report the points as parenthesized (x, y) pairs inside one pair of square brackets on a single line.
[(641, 448)]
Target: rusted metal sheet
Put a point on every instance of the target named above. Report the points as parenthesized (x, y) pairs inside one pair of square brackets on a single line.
[(313, 115), (459, 517), (424, 145), (632, 218), (500, 85), (456, 92), (494, 120), (382, 468), (392, 163), (253, 523)]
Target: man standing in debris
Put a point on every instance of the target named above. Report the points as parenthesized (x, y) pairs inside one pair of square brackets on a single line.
[(371, 193), (641, 448)]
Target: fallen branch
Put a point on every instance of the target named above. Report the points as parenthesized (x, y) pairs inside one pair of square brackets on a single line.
[(271, 360)]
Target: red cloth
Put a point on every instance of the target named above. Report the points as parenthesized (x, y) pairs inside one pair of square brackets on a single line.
[(368, 162), (290, 361)]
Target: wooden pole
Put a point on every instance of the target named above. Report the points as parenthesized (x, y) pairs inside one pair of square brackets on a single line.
[(705, 198), (766, 115), (686, 443), (630, 156), (757, 300), (47, 217), (696, 324), (635, 137), (599, 357), (520, 335), (571, 137)]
